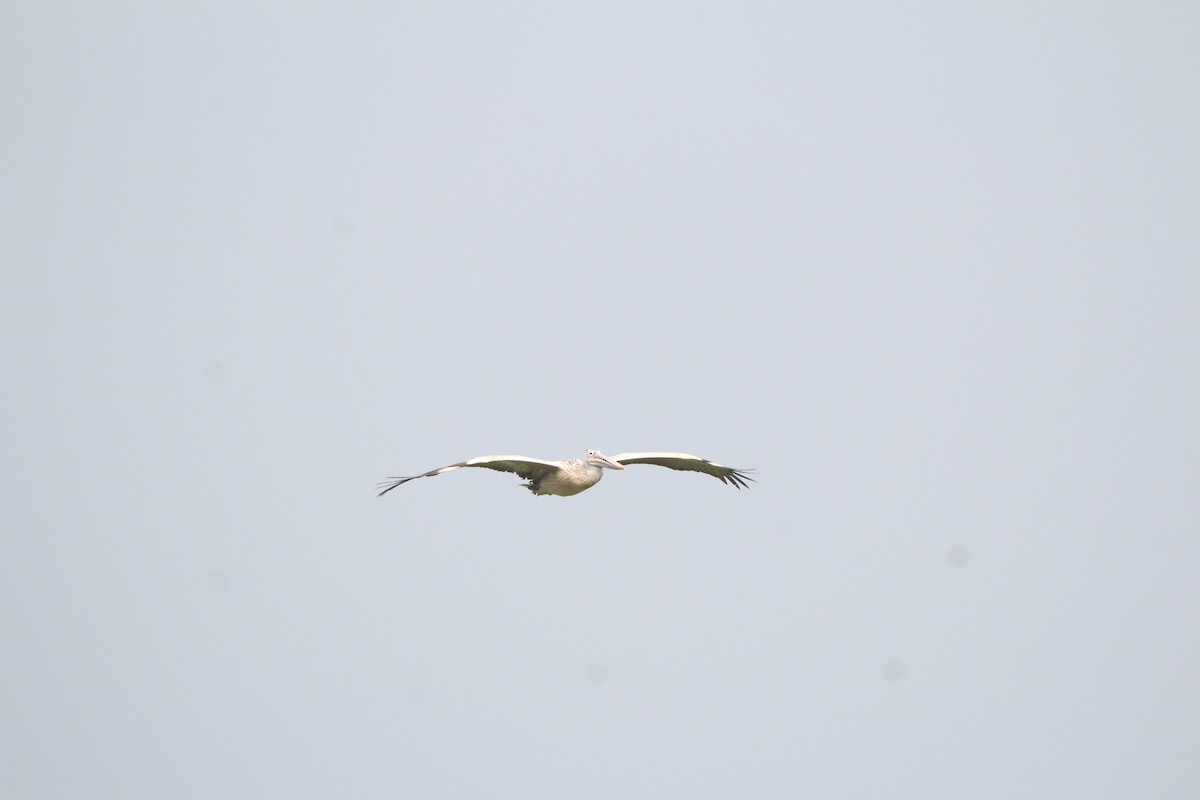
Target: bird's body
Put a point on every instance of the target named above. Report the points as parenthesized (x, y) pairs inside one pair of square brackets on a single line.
[(566, 478), (571, 477)]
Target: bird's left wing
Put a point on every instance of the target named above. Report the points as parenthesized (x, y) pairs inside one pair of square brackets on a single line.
[(528, 468), (689, 463)]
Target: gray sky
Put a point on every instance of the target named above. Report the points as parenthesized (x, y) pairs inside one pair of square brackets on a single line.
[(932, 269)]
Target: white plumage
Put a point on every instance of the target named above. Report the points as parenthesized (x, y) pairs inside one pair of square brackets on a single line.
[(565, 478)]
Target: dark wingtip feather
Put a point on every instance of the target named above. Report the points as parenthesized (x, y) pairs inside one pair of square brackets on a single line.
[(739, 478), (389, 484)]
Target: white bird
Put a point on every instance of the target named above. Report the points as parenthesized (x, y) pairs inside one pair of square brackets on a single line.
[(565, 478)]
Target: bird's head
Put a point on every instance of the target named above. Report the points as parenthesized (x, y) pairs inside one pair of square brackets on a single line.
[(598, 459)]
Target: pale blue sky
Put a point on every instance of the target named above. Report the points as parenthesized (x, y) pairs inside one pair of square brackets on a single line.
[(932, 269)]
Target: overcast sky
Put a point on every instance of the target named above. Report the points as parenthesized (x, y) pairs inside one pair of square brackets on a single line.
[(933, 269)]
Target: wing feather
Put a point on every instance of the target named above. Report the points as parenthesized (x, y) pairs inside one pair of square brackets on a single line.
[(532, 469), (689, 463)]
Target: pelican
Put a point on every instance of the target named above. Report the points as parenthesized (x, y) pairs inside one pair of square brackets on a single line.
[(565, 478)]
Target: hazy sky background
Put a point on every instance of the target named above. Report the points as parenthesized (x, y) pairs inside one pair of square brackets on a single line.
[(932, 269)]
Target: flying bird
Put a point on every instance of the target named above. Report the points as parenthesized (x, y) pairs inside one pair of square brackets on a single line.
[(565, 478)]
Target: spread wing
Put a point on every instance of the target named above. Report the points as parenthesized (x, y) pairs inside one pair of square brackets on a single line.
[(689, 463), (532, 469)]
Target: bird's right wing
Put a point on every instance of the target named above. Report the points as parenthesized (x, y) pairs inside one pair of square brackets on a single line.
[(689, 463), (532, 469)]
